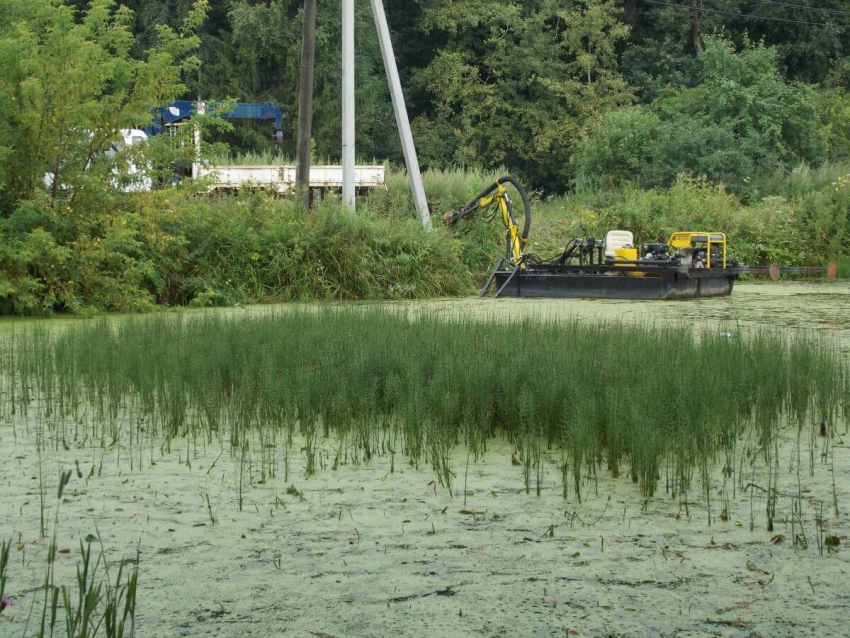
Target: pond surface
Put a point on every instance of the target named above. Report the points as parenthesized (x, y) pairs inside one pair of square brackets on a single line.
[(386, 552), (816, 308), (809, 307)]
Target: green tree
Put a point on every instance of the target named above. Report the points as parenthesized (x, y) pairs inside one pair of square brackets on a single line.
[(257, 59), (516, 82), (69, 85), (620, 148), (592, 30), (742, 119), (834, 107)]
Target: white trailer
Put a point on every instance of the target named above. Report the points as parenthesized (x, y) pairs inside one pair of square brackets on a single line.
[(281, 179), (278, 179)]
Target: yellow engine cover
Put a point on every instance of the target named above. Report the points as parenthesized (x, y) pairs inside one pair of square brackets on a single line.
[(627, 254)]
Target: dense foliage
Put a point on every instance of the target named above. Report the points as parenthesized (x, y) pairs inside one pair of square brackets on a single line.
[(171, 248), (648, 116), (520, 84), (538, 86), (740, 119)]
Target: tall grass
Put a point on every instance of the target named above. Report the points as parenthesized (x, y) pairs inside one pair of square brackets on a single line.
[(802, 180), (640, 402), (263, 158)]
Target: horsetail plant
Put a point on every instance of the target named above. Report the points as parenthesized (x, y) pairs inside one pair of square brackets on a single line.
[(641, 402)]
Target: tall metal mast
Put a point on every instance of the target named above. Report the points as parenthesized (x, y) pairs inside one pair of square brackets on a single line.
[(349, 156), (305, 106)]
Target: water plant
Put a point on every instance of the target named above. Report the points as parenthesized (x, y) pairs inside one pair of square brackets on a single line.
[(96, 605), (642, 402), (5, 546)]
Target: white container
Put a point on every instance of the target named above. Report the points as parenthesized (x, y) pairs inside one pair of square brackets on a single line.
[(281, 179)]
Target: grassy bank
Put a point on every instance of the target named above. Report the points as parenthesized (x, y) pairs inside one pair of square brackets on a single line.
[(801, 219), (175, 248)]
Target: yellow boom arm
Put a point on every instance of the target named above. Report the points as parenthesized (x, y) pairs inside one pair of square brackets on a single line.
[(496, 194)]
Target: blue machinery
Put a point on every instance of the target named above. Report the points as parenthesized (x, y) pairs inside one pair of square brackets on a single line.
[(180, 111)]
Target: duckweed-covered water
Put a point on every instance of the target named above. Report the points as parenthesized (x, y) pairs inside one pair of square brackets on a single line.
[(371, 539), (822, 308)]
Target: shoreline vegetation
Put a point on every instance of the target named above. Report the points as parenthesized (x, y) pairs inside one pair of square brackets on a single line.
[(650, 130), (177, 248)]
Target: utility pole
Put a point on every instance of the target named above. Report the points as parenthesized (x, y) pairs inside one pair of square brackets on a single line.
[(305, 100), (410, 157), (200, 109), (349, 156)]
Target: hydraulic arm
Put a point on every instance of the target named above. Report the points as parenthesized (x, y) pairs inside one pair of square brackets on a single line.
[(495, 197)]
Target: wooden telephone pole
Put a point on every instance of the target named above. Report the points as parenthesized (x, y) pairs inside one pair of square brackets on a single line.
[(305, 106), (305, 100)]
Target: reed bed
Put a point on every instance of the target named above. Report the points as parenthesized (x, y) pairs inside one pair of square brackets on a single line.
[(657, 404)]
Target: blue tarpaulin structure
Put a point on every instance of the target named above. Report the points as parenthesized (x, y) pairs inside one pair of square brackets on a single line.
[(182, 110)]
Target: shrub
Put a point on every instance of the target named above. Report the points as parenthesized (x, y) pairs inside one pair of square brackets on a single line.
[(834, 107), (742, 119), (810, 231), (175, 249), (256, 248), (52, 261), (620, 148), (825, 219)]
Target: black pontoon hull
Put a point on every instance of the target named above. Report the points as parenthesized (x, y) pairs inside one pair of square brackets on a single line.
[(536, 283)]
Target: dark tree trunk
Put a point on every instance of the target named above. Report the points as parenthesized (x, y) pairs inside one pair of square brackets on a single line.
[(305, 100)]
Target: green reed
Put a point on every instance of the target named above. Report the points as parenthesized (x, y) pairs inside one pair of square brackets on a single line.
[(639, 402), (5, 547), (94, 606)]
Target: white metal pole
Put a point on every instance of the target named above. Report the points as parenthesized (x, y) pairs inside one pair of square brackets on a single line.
[(200, 109), (401, 118), (349, 156)]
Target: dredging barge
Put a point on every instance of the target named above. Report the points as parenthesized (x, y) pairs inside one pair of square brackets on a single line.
[(605, 282), (690, 265)]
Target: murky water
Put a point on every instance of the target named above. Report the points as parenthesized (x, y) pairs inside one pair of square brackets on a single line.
[(812, 308), (655, 570), (817, 308)]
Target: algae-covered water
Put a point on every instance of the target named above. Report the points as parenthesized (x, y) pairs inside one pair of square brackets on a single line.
[(823, 307), (385, 550), (788, 305)]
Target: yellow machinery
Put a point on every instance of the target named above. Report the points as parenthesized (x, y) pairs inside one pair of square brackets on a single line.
[(714, 245), (496, 197), (692, 249), (689, 265)]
